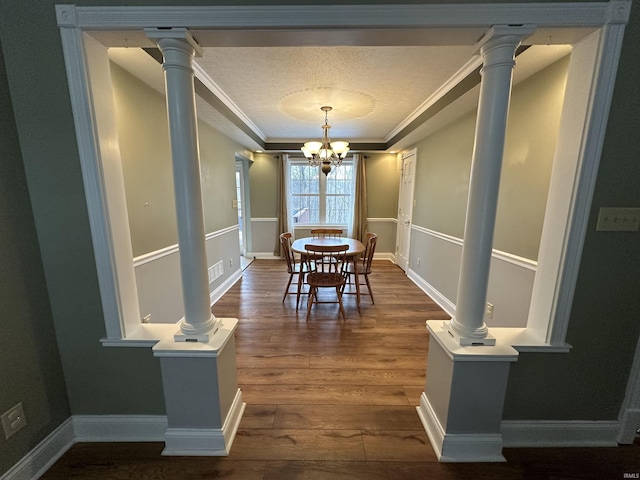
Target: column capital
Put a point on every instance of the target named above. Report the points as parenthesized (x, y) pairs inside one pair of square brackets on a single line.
[(174, 36), (505, 34)]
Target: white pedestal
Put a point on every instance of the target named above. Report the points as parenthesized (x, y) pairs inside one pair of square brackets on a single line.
[(461, 407), (203, 402)]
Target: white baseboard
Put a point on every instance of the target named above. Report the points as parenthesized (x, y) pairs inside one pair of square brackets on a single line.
[(629, 423), (119, 428), (225, 286), (135, 428), (563, 433), (385, 256), (458, 447), (264, 256), (46, 453), (444, 303), (519, 434), (205, 441)]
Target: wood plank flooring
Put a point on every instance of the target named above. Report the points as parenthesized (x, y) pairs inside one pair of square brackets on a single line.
[(332, 399)]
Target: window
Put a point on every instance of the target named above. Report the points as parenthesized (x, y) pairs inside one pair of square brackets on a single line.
[(319, 199)]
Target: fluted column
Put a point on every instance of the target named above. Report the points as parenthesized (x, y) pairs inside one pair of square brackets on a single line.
[(178, 49), (498, 53)]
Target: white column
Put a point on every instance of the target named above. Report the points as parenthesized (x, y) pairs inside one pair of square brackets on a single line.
[(178, 49), (498, 52)]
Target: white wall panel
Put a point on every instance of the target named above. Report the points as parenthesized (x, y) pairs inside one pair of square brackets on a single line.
[(435, 261), (158, 275)]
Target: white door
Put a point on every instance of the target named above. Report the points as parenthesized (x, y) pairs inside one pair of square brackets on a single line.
[(405, 206)]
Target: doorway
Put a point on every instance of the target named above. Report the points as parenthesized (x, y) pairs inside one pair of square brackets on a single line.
[(239, 206), (242, 203)]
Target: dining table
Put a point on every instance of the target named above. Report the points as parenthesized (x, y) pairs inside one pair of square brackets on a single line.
[(356, 247)]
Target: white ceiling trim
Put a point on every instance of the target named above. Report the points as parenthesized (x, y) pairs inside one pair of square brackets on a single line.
[(460, 75), (565, 14)]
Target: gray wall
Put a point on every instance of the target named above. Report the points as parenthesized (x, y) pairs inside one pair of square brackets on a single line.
[(588, 383), (30, 369)]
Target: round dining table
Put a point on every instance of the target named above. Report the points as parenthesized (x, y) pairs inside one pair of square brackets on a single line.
[(356, 247)]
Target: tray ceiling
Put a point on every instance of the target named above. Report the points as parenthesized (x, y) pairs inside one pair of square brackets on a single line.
[(272, 94)]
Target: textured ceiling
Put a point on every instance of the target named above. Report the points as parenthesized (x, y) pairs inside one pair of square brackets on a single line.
[(371, 89)]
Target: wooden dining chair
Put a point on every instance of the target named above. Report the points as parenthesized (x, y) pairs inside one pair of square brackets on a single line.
[(326, 232), (362, 267), (329, 262), (299, 268)]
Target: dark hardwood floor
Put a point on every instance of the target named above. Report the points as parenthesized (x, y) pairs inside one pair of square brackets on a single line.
[(332, 399)]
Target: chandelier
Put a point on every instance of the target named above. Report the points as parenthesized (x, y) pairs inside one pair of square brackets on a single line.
[(326, 152)]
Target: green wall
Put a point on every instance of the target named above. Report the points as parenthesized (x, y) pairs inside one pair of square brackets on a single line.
[(444, 165), (442, 177), (141, 114), (383, 183), (586, 384), (263, 184)]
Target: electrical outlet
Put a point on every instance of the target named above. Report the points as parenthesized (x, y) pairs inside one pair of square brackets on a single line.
[(418, 262), (489, 310), (13, 420), (231, 262)]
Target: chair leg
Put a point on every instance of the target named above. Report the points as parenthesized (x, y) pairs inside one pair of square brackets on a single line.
[(286, 290), (344, 317), (346, 280), (357, 282), (366, 277), (312, 293), (300, 283)]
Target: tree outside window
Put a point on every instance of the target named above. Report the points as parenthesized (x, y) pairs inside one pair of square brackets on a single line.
[(319, 199)]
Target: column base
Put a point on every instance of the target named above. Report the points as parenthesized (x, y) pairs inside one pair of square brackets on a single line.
[(201, 395), (205, 442), (461, 406), (203, 337), (489, 340), (458, 447)]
